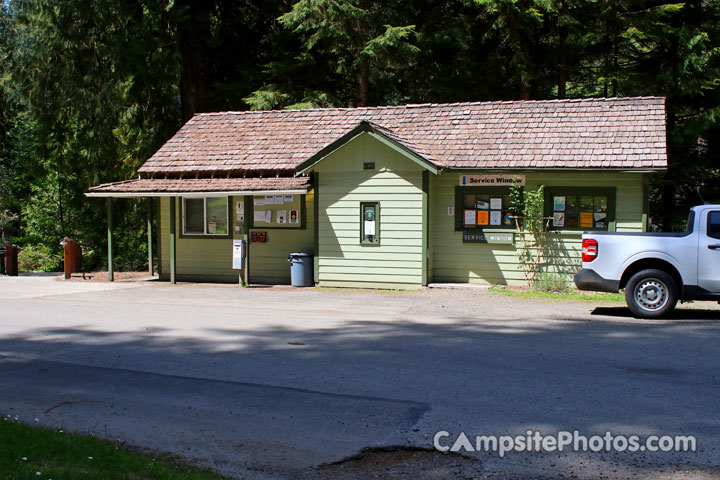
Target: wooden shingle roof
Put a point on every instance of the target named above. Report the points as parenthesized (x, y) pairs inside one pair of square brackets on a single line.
[(604, 133), (148, 187)]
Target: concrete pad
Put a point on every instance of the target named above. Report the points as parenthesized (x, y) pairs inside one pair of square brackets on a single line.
[(44, 285)]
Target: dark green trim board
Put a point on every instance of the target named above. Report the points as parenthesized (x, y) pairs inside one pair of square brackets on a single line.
[(248, 212), (367, 128), (151, 266), (316, 226), (111, 274), (158, 234), (610, 192), (173, 226), (425, 222)]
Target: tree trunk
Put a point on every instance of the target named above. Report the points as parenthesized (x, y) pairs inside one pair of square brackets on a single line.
[(361, 97), (563, 63), (193, 34), (524, 90)]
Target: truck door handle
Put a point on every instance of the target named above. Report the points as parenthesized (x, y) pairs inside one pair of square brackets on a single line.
[(714, 247)]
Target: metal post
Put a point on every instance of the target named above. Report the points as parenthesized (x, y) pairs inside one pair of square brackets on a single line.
[(151, 267), (172, 240), (111, 275)]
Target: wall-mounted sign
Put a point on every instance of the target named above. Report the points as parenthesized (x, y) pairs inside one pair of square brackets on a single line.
[(258, 237), (497, 180), (472, 236)]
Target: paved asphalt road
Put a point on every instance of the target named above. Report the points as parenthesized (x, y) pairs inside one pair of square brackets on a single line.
[(266, 383)]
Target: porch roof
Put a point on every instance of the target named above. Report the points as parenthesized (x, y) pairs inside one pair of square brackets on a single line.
[(172, 187)]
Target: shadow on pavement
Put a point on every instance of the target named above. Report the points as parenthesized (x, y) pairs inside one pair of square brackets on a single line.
[(677, 314)]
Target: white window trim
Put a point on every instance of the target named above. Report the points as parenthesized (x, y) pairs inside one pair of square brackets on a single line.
[(205, 234)]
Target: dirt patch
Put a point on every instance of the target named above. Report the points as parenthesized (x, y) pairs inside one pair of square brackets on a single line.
[(401, 463), (103, 277)]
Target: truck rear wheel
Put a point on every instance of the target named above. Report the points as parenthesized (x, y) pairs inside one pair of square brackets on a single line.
[(651, 293)]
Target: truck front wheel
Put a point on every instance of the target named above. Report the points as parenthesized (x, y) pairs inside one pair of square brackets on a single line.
[(651, 293)]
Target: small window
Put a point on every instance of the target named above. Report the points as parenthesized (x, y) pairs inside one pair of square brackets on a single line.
[(714, 225), (580, 209), (370, 223), (478, 207), (205, 216)]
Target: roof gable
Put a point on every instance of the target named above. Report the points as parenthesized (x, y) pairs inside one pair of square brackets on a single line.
[(605, 133), (383, 135)]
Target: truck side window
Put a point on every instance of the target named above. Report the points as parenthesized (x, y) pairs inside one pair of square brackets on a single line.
[(714, 225)]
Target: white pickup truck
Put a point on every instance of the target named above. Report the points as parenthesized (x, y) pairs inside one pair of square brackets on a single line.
[(656, 269)]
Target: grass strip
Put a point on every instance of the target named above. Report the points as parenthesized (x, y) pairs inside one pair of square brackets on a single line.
[(40, 453)]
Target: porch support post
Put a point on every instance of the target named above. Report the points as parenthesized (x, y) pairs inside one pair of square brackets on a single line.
[(172, 240), (425, 226), (151, 267), (248, 212), (111, 275)]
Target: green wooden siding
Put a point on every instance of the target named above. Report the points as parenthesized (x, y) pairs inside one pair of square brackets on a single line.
[(269, 261), (210, 259), (396, 183), (455, 261)]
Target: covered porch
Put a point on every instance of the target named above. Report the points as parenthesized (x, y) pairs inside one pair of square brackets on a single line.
[(190, 239)]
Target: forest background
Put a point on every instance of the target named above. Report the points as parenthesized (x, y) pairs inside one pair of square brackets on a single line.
[(90, 89)]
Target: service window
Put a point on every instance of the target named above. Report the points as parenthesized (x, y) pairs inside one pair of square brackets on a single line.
[(714, 225), (205, 216), (370, 223), (483, 207), (572, 208)]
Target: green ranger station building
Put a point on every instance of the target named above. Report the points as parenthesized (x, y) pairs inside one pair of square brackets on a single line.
[(397, 196)]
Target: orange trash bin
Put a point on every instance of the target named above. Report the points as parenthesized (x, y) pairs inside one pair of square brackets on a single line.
[(11, 260), (72, 253)]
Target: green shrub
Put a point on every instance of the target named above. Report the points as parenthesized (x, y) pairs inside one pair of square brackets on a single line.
[(551, 283), (39, 258)]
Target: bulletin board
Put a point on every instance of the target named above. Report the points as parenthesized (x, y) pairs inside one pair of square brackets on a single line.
[(278, 211)]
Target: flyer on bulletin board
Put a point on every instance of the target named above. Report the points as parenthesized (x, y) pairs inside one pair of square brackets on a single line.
[(559, 219), (282, 216), (496, 217), (469, 217), (495, 203), (483, 217), (586, 219)]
